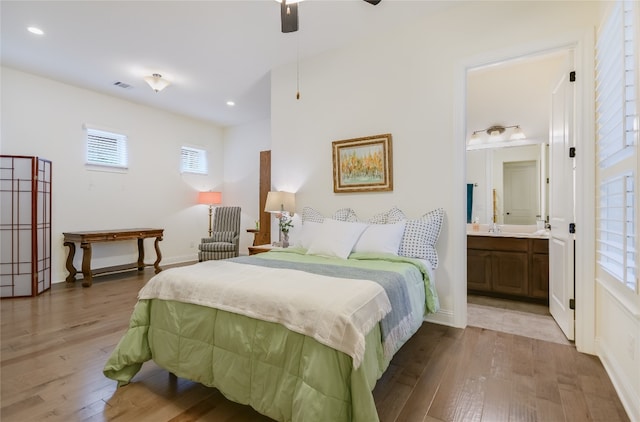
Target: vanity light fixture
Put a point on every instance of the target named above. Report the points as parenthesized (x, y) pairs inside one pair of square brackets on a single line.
[(495, 131), (156, 82)]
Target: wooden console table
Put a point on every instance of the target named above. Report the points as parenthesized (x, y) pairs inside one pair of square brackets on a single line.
[(86, 238)]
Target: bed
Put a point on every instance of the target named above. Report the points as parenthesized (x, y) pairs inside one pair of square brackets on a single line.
[(298, 336)]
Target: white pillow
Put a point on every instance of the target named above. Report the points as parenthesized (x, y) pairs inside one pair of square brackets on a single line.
[(381, 238), (308, 233), (336, 238)]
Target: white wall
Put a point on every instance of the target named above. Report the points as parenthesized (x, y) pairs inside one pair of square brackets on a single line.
[(403, 83), (242, 146), (45, 118)]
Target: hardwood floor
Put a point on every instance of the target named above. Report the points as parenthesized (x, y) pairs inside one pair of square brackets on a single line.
[(55, 345)]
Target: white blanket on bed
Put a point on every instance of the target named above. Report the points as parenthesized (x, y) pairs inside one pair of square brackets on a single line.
[(337, 312)]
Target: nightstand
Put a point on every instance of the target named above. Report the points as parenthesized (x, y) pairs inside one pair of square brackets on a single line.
[(253, 250)]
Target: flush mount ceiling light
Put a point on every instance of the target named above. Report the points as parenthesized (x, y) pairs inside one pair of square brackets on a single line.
[(156, 82), (35, 30)]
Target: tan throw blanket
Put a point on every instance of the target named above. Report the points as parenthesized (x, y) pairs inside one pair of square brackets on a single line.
[(337, 312)]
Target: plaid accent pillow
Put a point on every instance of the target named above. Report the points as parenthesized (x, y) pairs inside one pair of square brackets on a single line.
[(420, 236), (309, 214), (394, 215), (378, 219), (345, 214)]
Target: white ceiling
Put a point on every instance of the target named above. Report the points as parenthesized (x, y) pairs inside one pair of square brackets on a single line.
[(212, 51)]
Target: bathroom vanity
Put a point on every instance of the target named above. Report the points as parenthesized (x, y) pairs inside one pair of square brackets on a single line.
[(507, 264)]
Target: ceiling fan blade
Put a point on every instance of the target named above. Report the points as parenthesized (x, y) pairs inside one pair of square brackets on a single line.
[(373, 2), (289, 16)]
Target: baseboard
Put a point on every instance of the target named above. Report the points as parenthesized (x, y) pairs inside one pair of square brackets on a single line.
[(442, 317), (630, 399)]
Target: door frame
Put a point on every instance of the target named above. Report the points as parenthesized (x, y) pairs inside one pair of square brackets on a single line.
[(583, 45)]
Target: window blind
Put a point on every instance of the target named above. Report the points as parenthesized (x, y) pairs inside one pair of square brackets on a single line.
[(194, 160), (616, 231), (106, 148), (616, 143)]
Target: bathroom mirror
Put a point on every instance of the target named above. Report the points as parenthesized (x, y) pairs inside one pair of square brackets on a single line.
[(504, 96), (508, 185)]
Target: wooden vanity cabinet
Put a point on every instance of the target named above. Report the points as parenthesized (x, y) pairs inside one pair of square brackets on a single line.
[(540, 269), (508, 266)]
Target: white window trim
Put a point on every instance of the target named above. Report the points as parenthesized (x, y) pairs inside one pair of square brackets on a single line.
[(201, 153), (118, 135)]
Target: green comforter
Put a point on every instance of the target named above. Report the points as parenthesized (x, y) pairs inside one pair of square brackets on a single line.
[(282, 374)]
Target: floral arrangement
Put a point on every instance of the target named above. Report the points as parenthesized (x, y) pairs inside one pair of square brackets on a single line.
[(285, 223)]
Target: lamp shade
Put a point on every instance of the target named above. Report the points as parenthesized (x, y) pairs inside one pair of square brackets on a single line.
[(280, 201), (475, 139), (517, 134), (209, 198)]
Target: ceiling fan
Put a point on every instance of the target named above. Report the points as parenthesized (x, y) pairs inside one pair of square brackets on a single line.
[(289, 14)]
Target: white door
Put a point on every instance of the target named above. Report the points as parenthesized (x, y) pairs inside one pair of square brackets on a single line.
[(561, 205), (520, 182)]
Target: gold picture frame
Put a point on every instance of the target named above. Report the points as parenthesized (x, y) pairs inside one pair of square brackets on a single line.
[(363, 164)]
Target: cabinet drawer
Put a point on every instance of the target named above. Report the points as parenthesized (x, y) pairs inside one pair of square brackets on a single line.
[(490, 243), (541, 246)]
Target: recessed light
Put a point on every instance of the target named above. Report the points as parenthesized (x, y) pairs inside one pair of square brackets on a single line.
[(35, 30), (231, 103)]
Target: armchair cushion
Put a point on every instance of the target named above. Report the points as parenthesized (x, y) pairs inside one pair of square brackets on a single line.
[(219, 237), (217, 247)]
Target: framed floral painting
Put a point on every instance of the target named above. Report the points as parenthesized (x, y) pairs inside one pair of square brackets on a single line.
[(363, 164)]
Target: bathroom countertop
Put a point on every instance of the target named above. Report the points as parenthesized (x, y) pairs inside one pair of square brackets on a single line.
[(524, 231), (534, 235)]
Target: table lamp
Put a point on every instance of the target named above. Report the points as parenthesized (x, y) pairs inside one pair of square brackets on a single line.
[(210, 198), (280, 203)]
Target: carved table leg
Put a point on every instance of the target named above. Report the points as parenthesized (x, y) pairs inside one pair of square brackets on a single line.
[(156, 264), (71, 278), (86, 264), (140, 254)]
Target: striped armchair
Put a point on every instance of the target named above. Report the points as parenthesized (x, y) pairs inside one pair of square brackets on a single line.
[(225, 239)]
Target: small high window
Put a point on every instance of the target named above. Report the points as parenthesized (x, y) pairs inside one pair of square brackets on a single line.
[(194, 160), (106, 148)]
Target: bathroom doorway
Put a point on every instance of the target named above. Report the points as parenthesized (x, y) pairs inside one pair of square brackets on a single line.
[(502, 99)]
